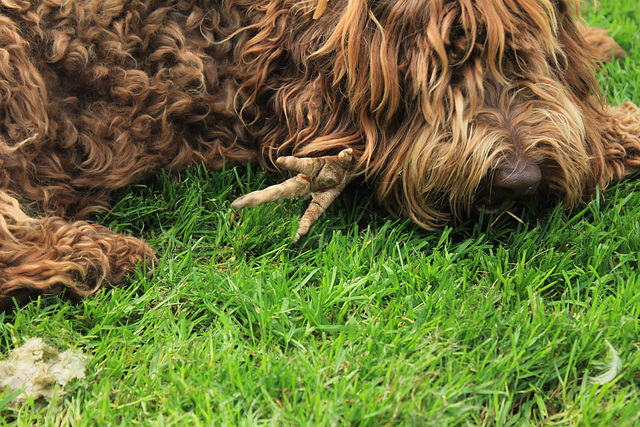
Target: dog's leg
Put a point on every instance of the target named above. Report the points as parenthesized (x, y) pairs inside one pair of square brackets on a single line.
[(604, 46), (620, 129), (50, 255), (323, 178)]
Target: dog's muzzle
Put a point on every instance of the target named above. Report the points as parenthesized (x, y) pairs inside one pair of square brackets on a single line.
[(516, 178)]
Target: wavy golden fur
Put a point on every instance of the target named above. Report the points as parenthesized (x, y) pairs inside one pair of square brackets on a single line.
[(432, 96)]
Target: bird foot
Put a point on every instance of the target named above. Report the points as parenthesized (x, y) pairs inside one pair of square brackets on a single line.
[(323, 178)]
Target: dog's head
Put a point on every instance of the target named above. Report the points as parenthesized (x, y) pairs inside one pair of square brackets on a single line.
[(450, 106)]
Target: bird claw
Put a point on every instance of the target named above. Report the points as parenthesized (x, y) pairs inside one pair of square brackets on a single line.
[(323, 178)]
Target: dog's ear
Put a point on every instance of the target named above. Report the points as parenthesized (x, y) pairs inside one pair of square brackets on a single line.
[(388, 57), (365, 60)]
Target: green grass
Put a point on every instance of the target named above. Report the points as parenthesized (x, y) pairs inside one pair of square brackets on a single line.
[(367, 321)]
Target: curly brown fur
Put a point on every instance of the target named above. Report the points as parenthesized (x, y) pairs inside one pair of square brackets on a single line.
[(436, 98), (47, 255)]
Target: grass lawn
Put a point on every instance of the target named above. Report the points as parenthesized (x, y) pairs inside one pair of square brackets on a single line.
[(367, 321)]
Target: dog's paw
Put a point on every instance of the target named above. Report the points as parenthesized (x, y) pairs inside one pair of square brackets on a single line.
[(323, 178)]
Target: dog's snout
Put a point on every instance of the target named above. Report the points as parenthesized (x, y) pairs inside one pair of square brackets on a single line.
[(516, 177)]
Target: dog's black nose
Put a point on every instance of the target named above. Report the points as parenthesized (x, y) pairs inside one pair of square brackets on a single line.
[(516, 177)]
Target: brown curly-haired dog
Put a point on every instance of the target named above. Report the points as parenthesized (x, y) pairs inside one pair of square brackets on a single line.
[(445, 106)]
